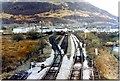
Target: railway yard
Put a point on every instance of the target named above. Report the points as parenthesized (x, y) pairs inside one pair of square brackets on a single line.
[(73, 60), (59, 40)]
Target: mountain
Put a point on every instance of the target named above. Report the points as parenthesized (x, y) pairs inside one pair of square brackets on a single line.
[(56, 13)]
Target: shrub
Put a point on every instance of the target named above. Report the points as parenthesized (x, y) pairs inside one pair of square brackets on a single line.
[(15, 53), (33, 35), (3, 28), (17, 37)]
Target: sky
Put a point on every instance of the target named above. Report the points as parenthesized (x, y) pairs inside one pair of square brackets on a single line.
[(109, 5)]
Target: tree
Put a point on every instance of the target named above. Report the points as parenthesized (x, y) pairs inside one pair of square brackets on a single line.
[(3, 28), (17, 37), (33, 35)]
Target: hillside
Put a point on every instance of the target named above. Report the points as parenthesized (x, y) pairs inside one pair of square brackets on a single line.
[(55, 12)]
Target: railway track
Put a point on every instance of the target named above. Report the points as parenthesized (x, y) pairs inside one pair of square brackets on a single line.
[(78, 70), (95, 74), (58, 38), (55, 67), (76, 73), (64, 44), (78, 66)]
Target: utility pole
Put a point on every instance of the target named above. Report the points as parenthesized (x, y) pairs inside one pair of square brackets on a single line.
[(41, 42), (118, 49), (85, 31)]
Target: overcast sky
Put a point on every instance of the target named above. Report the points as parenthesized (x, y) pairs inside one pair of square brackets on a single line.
[(109, 5)]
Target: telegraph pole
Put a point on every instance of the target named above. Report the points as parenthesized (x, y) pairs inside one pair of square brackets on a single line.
[(118, 49), (41, 42)]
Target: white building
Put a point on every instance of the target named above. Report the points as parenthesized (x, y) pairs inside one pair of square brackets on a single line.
[(39, 29)]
